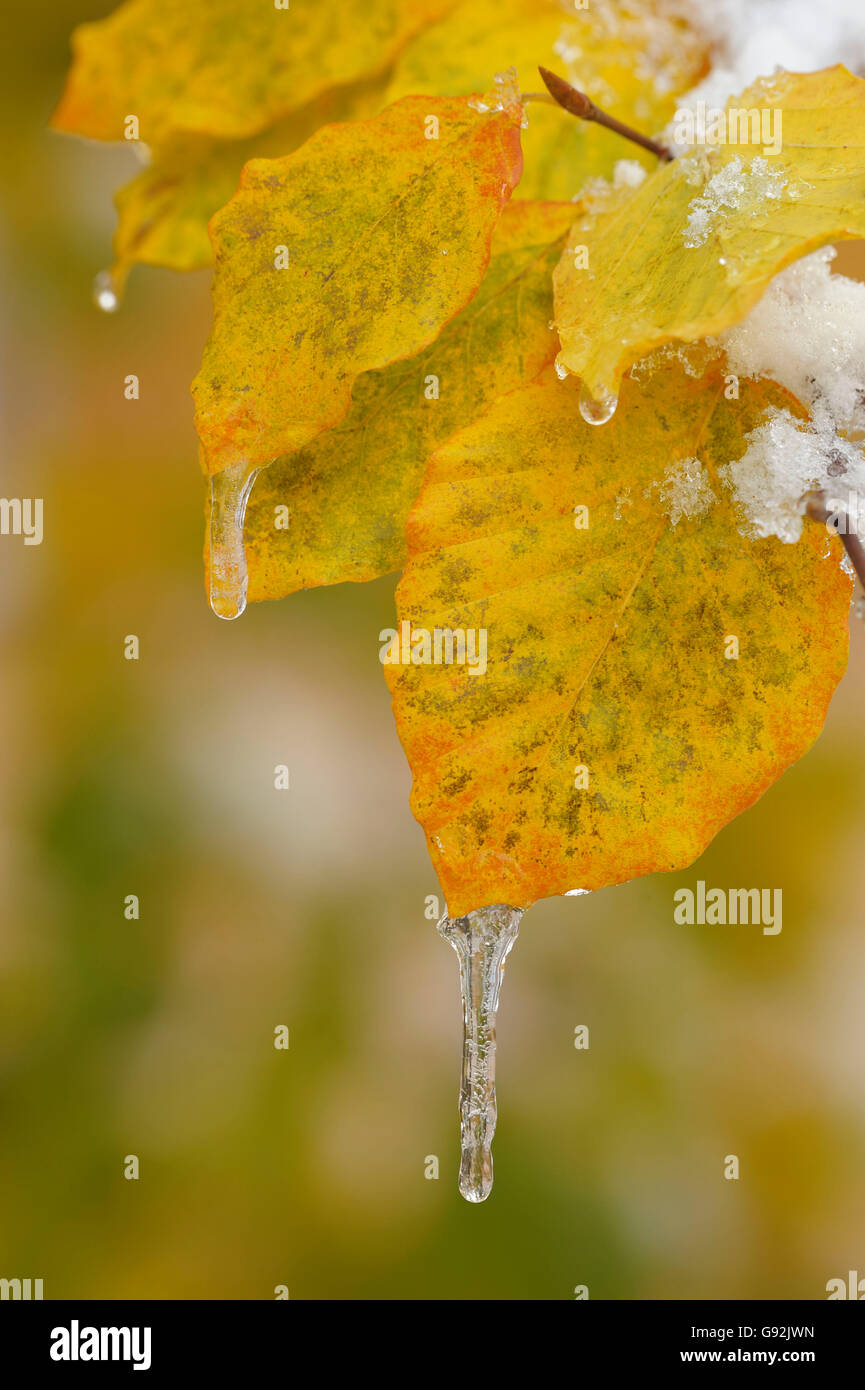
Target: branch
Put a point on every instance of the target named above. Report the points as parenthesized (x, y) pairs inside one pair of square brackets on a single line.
[(817, 510), (578, 104)]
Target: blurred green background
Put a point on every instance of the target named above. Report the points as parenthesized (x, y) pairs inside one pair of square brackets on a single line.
[(155, 1037)]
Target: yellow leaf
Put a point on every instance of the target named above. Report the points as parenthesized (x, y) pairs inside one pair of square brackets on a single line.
[(348, 493), (351, 253), (631, 59), (614, 731), (228, 68), (162, 215), (691, 250)]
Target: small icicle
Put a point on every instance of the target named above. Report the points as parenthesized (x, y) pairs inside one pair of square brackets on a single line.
[(229, 494), (483, 940), (597, 411), (106, 293)]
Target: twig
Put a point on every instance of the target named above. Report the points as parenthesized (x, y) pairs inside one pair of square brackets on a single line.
[(578, 104), (818, 511)]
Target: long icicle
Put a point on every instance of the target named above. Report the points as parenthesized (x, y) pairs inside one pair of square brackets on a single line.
[(229, 494), (483, 941)]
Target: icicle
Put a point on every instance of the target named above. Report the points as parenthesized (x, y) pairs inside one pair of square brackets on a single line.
[(106, 292), (597, 411), (229, 494), (483, 940)]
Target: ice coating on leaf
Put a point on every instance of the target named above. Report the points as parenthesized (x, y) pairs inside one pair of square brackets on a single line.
[(686, 490), (693, 358), (504, 95), (736, 185)]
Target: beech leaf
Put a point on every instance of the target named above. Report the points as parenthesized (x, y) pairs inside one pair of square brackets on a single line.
[(616, 727), (690, 251), (350, 490), (228, 68), (347, 255)]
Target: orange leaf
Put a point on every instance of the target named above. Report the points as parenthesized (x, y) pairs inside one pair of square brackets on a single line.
[(612, 733)]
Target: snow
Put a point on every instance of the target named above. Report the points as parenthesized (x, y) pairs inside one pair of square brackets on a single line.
[(686, 490), (784, 461), (808, 334), (628, 173), (735, 186), (752, 38)]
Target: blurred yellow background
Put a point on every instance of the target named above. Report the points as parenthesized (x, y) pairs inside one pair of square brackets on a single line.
[(155, 1037)]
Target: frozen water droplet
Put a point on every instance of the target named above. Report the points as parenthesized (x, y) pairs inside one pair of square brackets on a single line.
[(483, 941), (229, 494), (597, 411), (561, 372), (105, 294)]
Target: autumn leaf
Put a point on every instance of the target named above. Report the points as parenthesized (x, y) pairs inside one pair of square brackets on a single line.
[(615, 728), (200, 135), (633, 60), (690, 251), (162, 215), (228, 68), (347, 255), (349, 492)]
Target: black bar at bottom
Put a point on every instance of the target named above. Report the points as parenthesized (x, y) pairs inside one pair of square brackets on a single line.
[(152, 1338)]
